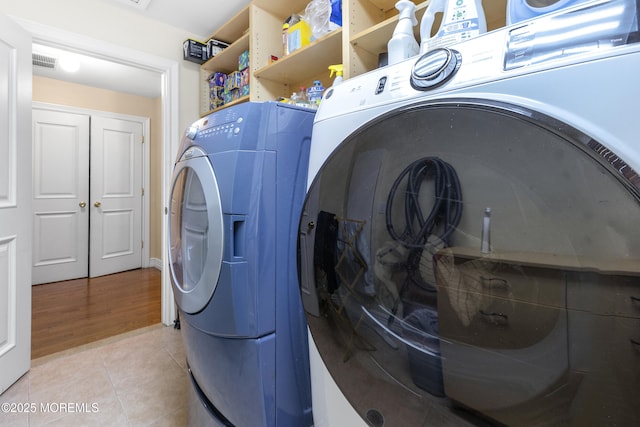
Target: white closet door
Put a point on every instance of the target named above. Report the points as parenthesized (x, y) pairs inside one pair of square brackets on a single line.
[(60, 195), (116, 196)]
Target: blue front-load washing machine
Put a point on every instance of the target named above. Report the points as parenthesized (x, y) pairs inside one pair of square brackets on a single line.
[(236, 195)]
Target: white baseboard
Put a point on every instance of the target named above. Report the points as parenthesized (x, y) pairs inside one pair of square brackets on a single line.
[(155, 263)]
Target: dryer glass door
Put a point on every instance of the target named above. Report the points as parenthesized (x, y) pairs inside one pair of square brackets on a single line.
[(475, 255), (195, 232)]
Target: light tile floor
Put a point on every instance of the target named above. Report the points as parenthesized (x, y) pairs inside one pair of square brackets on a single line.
[(135, 379)]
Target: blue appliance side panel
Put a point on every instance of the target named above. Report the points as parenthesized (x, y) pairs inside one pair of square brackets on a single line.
[(236, 375), (291, 137)]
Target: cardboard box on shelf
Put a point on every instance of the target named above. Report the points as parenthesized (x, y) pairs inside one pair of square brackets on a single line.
[(214, 47), (244, 77), (234, 81), (194, 51), (216, 97), (243, 60), (298, 35), (217, 79)]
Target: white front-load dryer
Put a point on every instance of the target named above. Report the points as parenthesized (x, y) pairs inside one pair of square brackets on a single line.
[(469, 249)]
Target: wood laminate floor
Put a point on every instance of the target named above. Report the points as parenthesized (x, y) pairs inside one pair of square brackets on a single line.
[(77, 312)]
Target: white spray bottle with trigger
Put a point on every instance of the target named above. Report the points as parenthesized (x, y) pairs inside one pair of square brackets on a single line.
[(338, 70), (403, 44), (461, 20)]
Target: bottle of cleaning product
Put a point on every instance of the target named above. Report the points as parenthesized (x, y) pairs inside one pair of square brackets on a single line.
[(461, 20), (403, 44), (314, 94), (288, 23), (300, 98), (285, 39), (338, 70)]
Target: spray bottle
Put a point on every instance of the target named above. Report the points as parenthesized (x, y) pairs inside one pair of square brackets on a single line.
[(461, 20), (403, 44), (338, 70)]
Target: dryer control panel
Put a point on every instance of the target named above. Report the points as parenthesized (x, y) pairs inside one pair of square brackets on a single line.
[(586, 29)]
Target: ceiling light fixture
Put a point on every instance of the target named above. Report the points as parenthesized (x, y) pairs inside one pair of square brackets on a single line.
[(138, 4), (69, 63)]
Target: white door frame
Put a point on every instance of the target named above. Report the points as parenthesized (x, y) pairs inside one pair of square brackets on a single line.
[(169, 69), (146, 131)]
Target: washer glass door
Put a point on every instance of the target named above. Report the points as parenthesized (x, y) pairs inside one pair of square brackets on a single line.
[(195, 231), (477, 255)]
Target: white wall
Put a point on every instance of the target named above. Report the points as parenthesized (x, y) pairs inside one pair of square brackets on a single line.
[(99, 20)]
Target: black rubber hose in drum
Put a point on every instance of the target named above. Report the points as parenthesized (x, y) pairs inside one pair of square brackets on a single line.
[(446, 210), (419, 231)]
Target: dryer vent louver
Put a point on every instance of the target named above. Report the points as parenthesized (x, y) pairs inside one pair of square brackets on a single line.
[(44, 61)]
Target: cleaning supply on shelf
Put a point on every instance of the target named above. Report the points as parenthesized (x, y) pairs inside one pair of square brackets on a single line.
[(336, 12), (299, 98), (299, 35), (322, 17), (286, 26), (403, 44), (314, 94), (338, 70), (461, 20), (285, 37)]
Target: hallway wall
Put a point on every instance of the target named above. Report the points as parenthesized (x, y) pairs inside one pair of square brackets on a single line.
[(115, 25)]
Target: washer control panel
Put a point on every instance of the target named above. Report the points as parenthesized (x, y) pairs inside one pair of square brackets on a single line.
[(206, 128), (229, 129)]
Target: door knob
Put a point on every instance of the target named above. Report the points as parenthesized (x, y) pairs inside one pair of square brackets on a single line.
[(97, 204), (82, 204)]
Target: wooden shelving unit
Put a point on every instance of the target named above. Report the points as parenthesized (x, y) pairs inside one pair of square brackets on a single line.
[(367, 27), (304, 63), (227, 60)]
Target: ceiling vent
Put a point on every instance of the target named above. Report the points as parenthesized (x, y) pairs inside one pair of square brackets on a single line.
[(44, 61), (138, 4)]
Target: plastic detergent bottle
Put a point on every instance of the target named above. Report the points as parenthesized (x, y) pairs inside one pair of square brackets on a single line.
[(289, 22), (285, 39), (403, 44), (338, 70), (300, 98), (461, 20), (314, 93)]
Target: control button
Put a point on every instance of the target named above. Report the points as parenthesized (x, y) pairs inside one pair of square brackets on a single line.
[(381, 84), (192, 132), (435, 68), (240, 120), (236, 131), (329, 93)]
